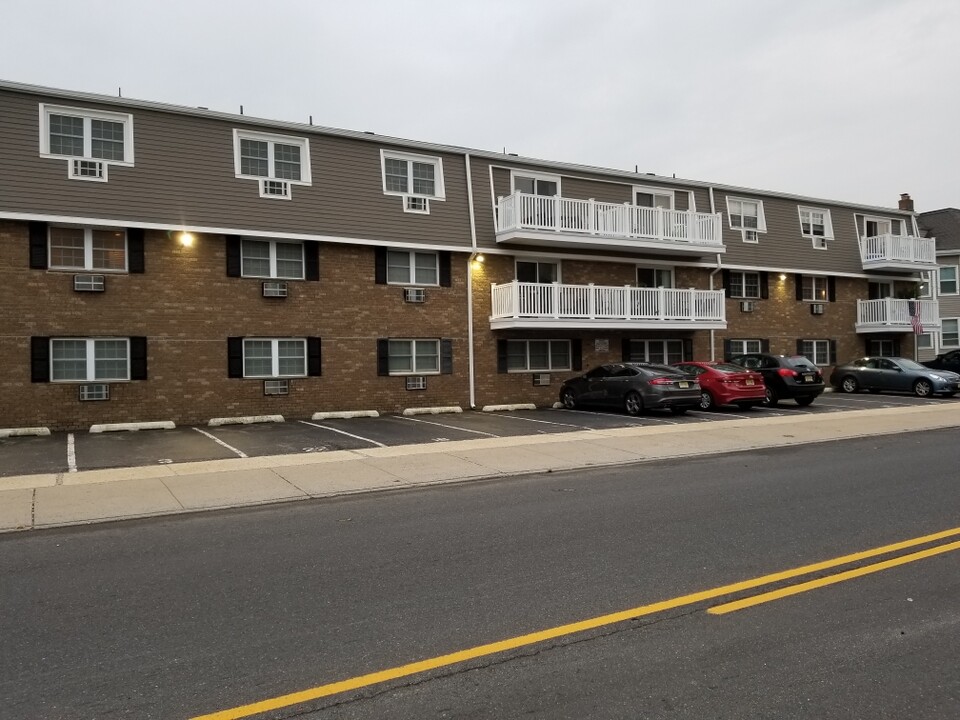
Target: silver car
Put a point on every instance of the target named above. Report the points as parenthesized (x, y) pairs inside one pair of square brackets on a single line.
[(635, 387), (895, 374)]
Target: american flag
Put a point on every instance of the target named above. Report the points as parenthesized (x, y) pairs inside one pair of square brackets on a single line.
[(915, 320)]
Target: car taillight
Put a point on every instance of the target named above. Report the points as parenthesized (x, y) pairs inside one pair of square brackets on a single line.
[(661, 381), (786, 372)]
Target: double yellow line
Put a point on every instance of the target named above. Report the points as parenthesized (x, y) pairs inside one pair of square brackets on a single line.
[(361, 681)]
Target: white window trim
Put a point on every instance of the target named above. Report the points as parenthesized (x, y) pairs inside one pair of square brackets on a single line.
[(536, 176), (664, 345), (761, 217), (273, 259), (743, 346), (926, 279), (439, 189), (956, 280), (91, 359), (876, 218), (412, 268), (125, 118), (538, 260), (306, 177), (88, 251), (816, 342), (942, 344), (827, 236), (413, 356), (929, 341), (656, 268), (275, 357), (743, 284), (817, 279), (550, 368), (650, 190)]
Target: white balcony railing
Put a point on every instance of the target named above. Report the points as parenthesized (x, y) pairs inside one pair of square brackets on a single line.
[(555, 301), (895, 315), (898, 250), (522, 211)]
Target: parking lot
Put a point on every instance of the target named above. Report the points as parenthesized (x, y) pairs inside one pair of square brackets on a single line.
[(70, 452)]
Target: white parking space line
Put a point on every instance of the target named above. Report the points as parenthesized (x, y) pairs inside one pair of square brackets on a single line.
[(344, 432), (218, 441), (71, 453), (449, 427), (547, 422), (629, 418)]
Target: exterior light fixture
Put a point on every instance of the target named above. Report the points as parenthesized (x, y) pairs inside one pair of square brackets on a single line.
[(186, 239), (480, 258), (783, 276)]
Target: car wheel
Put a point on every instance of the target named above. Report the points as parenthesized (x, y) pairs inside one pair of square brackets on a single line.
[(770, 399), (633, 403), (679, 410), (849, 384), (804, 401), (922, 388), (706, 400), (568, 399)]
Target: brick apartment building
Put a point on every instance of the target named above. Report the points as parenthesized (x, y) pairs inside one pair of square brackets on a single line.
[(170, 263)]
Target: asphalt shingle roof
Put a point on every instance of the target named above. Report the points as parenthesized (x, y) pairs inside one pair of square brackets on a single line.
[(944, 225)]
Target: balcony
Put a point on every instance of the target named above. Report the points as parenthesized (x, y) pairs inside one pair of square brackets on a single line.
[(535, 305), (892, 315), (898, 252), (588, 224)]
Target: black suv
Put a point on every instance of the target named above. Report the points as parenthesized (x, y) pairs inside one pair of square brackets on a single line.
[(947, 361), (791, 377)]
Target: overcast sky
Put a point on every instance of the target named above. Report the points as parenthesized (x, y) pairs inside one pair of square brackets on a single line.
[(854, 100)]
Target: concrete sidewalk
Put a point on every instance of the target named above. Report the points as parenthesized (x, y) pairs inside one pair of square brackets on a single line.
[(52, 500)]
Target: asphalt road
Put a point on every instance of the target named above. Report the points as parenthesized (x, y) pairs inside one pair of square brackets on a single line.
[(182, 617)]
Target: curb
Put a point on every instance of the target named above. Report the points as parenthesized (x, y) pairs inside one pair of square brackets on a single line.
[(132, 426), (343, 414), (245, 420), (515, 406), (432, 410), (23, 431)]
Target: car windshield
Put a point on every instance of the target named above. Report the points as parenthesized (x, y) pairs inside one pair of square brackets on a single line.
[(800, 362), (911, 365), (728, 367)]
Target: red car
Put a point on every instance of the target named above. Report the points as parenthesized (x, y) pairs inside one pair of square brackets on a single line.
[(726, 384)]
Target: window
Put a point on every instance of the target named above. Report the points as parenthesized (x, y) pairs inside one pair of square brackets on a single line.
[(538, 355), (814, 289), (746, 216), (815, 223), (882, 348), (653, 198), (88, 249), (416, 178), (413, 357), (86, 360), (745, 347), (950, 333), (264, 357), (654, 278), (271, 259), (744, 285), (948, 280), (925, 288), (816, 350), (276, 161), (876, 227), (412, 268), (542, 185), (656, 351), (925, 341), (538, 272), (91, 140)]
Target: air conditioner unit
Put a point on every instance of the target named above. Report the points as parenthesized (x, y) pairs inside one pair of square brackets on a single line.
[(96, 391), (87, 170), (89, 283), (274, 188), (276, 387), (541, 379), (820, 243), (417, 204), (275, 289), (816, 309), (747, 306), (416, 382), (751, 236), (414, 295)]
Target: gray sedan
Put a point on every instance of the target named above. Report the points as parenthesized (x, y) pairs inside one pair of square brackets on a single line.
[(895, 374), (635, 387)]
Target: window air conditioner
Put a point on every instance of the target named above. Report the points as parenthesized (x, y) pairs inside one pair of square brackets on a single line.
[(414, 295), (416, 382), (541, 379), (275, 188), (89, 283), (276, 387), (275, 289), (816, 309), (96, 391), (88, 170), (416, 204), (747, 306)]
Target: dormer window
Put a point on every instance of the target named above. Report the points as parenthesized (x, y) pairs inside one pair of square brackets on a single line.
[(747, 216), (277, 162), (418, 179), (89, 140)]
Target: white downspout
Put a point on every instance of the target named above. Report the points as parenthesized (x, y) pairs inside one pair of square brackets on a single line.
[(713, 211), (473, 254)]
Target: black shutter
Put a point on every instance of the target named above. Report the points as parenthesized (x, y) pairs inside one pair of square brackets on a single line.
[(727, 350), (896, 348), (235, 357), (765, 345), (313, 356), (383, 356), (380, 263), (833, 353), (576, 352), (446, 357), (799, 347), (138, 358), (39, 359), (798, 279), (688, 349), (444, 258), (625, 350), (832, 289), (136, 261), (867, 346), (764, 286), (311, 261), (233, 261), (38, 246), (501, 356), (726, 282)]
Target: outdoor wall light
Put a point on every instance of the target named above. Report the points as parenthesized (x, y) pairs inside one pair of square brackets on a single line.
[(186, 239), (480, 258), (783, 276)]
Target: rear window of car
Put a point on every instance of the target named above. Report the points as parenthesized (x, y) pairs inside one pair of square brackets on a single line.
[(660, 370), (799, 362), (728, 367)]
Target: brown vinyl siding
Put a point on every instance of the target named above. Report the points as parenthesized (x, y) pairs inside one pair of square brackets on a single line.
[(184, 176)]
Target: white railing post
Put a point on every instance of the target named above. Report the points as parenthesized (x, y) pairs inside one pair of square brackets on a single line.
[(626, 302), (591, 302), (662, 304), (555, 299), (516, 298), (592, 219)]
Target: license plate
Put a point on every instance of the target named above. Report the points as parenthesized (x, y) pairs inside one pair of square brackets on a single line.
[(750, 381), (684, 384), (808, 378)]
